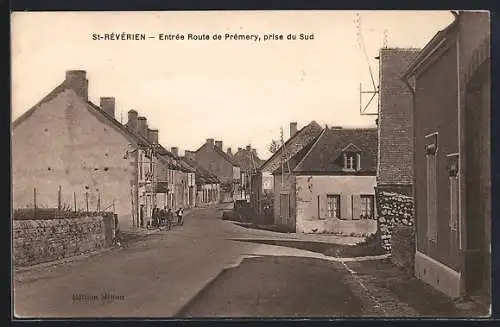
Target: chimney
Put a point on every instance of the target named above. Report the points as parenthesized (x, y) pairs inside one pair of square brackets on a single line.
[(108, 105), (189, 155), (229, 152), (142, 126), (175, 151), (210, 141), (218, 144), (293, 129), (77, 80), (132, 120), (153, 136)]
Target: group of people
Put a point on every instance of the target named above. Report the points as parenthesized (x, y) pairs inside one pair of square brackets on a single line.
[(165, 217)]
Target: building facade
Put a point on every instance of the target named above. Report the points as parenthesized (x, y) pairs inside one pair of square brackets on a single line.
[(451, 82), (262, 183), (249, 163), (329, 186), (211, 157), (67, 142)]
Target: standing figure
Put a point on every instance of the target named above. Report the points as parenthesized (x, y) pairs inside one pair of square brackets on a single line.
[(180, 212)]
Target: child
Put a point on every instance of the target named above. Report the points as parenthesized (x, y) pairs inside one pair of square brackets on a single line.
[(179, 216)]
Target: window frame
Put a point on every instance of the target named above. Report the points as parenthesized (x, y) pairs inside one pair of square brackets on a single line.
[(329, 212), (369, 203)]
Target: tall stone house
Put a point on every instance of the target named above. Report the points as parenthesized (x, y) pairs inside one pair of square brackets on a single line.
[(67, 142), (451, 81), (212, 157), (262, 182), (249, 162), (207, 184), (329, 186), (395, 129)]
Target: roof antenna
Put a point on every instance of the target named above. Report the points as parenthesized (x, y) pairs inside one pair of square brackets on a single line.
[(374, 92)]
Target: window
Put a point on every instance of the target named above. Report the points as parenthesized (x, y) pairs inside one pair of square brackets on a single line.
[(367, 207), (352, 161), (333, 205), (431, 149)]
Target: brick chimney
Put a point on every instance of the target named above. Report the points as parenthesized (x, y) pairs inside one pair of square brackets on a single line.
[(293, 129), (142, 126), (108, 105), (132, 121), (210, 141), (175, 151), (218, 144), (77, 80), (153, 136), (189, 155), (229, 152)]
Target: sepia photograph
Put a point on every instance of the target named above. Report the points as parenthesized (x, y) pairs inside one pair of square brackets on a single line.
[(251, 164)]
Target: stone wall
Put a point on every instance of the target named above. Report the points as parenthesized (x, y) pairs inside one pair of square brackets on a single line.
[(37, 241), (393, 209)]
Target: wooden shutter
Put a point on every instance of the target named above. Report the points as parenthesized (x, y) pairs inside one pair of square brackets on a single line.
[(322, 206), (431, 198), (345, 203), (356, 206)]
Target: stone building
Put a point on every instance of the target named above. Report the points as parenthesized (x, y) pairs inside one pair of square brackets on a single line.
[(249, 162), (211, 157), (67, 141), (329, 185), (262, 182)]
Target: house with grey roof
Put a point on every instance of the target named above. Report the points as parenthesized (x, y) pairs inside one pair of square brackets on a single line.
[(328, 186)]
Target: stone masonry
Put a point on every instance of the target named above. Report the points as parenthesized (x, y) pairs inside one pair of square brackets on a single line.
[(393, 209), (37, 241)]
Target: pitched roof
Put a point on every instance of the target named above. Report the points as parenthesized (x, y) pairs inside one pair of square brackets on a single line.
[(221, 153), (202, 173), (293, 145), (95, 109), (325, 156), (247, 159), (295, 160)]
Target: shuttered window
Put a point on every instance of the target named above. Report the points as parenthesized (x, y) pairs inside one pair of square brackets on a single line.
[(366, 206), (333, 205), (454, 202), (431, 197)]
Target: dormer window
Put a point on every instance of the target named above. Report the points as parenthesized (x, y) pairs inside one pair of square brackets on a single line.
[(352, 158)]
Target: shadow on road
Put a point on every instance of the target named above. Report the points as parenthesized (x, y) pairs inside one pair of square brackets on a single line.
[(333, 250)]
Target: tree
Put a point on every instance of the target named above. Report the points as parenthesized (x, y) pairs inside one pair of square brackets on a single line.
[(273, 146)]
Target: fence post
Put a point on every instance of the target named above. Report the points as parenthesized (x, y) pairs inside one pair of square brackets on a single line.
[(34, 203), (87, 201), (59, 199), (74, 200)]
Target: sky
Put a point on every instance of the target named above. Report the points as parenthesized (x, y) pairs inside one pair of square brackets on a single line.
[(237, 91)]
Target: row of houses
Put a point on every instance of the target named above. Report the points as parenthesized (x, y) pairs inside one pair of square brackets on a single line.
[(431, 142), (67, 143)]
